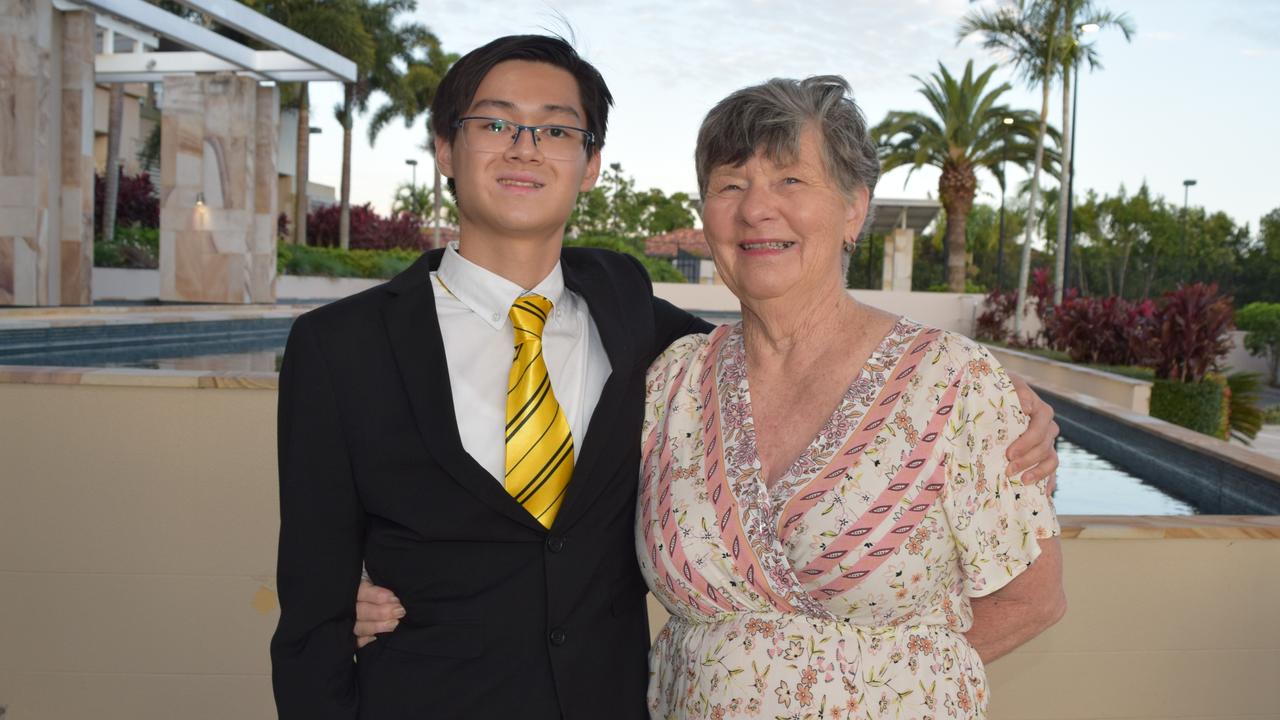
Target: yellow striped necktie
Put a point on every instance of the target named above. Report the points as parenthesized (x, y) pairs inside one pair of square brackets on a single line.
[(539, 441)]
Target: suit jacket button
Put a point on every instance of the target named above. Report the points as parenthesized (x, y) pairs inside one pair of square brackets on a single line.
[(558, 637), (555, 543)]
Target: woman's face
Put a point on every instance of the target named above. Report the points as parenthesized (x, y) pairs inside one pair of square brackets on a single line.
[(777, 231)]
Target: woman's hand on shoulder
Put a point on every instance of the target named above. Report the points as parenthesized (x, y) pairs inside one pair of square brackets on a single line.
[(1033, 454)]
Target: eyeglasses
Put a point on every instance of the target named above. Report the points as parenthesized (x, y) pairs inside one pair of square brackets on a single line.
[(490, 134)]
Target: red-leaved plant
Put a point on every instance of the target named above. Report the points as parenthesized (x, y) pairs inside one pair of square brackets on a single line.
[(992, 324), (1191, 333), (369, 230), (136, 202)]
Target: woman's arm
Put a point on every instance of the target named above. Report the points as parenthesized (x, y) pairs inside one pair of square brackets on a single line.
[(1024, 608)]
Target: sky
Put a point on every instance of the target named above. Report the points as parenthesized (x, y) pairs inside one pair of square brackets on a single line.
[(1194, 95)]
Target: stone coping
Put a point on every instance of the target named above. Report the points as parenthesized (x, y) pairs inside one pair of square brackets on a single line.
[(1236, 455), (90, 316), (137, 377), (1173, 527), (1073, 367)]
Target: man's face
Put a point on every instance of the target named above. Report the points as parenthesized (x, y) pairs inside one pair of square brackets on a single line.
[(519, 191)]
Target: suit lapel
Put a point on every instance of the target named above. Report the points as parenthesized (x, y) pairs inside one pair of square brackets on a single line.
[(599, 451), (414, 331)]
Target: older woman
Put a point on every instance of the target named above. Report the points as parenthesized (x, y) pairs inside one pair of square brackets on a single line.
[(824, 507)]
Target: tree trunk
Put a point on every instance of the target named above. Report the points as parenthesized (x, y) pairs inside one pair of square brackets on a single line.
[(1064, 194), (1024, 266), (435, 208), (115, 120), (344, 215), (300, 174), (956, 189)]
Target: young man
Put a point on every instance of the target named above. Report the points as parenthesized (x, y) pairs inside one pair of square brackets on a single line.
[(495, 494)]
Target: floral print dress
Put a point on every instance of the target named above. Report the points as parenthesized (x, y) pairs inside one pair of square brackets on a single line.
[(843, 591)]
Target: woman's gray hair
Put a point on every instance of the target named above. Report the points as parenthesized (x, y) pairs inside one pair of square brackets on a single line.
[(770, 118)]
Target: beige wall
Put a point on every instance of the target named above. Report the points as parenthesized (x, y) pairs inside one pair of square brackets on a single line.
[(137, 552), (1128, 393), (217, 194)]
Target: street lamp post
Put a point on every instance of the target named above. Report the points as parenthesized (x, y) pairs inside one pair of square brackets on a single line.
[(1004, 163), (413, 185), (1071, 167), (1186, 191)]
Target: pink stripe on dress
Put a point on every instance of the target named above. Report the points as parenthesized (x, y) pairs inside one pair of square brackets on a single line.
[(674, 560), (882, 507), (732, 533), (850, 454), (890, 543)]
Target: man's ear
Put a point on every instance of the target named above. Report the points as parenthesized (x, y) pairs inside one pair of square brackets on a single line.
[(592, 172), (444, 156)]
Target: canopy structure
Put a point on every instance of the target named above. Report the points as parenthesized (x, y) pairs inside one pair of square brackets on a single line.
[(898, 220), (294, 58), (218, 177), (902, 214)]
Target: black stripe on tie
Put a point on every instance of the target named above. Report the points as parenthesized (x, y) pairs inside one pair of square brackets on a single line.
[(526, 331), (522, 372), (553, 502), (565, 450), (539, 394), (535, 442), (529, 306)]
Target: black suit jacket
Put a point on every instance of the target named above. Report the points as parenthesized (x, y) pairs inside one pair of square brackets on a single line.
[(504, 618)]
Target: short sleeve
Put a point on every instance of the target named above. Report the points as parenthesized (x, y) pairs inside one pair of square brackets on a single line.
[(996, 522)]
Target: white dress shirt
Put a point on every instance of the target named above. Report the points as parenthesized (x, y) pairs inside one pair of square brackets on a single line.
[(472, 305)]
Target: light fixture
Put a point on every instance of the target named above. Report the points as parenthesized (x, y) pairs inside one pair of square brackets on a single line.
[(314, 130), (199, 199), (1090, 27), (267, 83), (1007, 121)]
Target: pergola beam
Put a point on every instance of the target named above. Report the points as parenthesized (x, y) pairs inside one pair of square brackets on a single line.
[(298, 59), (237, 16), (176, 29), (268, 63)]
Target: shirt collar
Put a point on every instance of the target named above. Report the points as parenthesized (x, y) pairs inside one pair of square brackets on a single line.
[(488, 294)]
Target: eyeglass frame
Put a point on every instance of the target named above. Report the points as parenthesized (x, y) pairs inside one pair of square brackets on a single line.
[(591, 137)]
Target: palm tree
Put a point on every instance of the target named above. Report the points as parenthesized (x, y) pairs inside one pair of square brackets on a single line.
[(1077, 14), (1028, 33), (411, 98), (965, 133), (394, 44), (337, 25)]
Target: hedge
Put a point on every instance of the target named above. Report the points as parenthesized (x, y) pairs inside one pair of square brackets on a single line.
[(1197, 406), (334, 262)]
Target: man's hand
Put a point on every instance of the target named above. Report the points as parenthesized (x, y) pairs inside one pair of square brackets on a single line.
[(1032, 454), (378, 610)]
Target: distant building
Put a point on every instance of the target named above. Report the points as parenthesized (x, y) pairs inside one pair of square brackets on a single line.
[(688, 251)]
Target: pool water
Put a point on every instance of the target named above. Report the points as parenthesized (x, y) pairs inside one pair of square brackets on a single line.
[(1090, 485)]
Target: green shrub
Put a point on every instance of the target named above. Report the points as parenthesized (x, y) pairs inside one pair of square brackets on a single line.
[(970, 286), (334, 262), (1261, 322), (134, 246), (1271, 416), (1244, 412), (660, 270), (1199, 406)]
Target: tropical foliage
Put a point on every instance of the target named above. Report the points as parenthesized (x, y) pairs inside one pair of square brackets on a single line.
[(614, 207), (1261, 323), (965, 132)]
